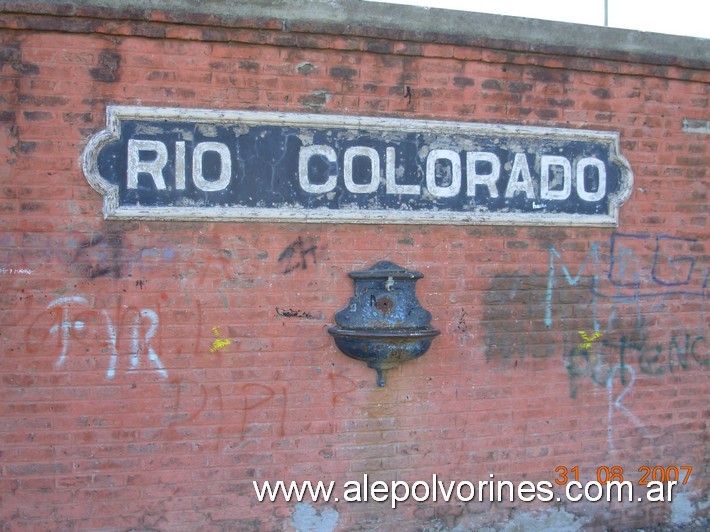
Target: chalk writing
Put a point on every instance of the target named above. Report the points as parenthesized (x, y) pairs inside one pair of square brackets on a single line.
[(684, 352), (66, 325), (100, 256), (71, 316), (260, 404), (291, 313), (672, 270), (141, 343), (615, 402), (219, 342), (261, 395), (346, 386), (588, 339), (294, 256), (129, 337), (462, 322), (572, 281), (15, 271), (513, 318), (185, 414), (623, 300)]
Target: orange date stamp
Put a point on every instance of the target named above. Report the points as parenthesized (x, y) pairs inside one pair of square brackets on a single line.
[(615, 473)]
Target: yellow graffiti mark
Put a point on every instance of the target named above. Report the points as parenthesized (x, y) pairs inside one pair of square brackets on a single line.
[(587, 343), (219, 343)]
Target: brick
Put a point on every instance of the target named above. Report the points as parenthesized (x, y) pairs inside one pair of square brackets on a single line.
[(516, 385)]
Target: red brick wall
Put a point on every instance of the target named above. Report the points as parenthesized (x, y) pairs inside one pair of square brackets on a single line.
[(152, 370)]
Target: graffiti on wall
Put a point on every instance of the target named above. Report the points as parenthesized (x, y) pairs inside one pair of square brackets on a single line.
[(606, 307), (295, 256), (672, 271), (72, 321), (125, 341), (611, 317), (647, 276), (257, 405)]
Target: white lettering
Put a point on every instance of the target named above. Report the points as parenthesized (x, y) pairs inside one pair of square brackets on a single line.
[(153, 167), (372, 155), (180, 165), (568, 486), (474, 178), (546, 191), (225, 166), (588, 492), (352, 491), (670, 484), (419, 497), (443, 174), (393, 187), (139, 347), (455, 186), (68, 326), (515, 184), (401, 498), (655, 491), (67, 323), (471, 491), (379, 491), (526, 491), (304, 156), (582, 192)]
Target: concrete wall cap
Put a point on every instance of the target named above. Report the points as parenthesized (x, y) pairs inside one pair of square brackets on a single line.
[(362, 18)]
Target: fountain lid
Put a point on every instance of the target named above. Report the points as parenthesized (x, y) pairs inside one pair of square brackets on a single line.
[(384, 270)]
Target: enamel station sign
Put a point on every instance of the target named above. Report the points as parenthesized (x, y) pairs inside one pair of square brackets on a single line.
[(197, 164)]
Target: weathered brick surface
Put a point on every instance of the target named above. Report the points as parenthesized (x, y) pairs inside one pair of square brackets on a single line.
[(151, 370)]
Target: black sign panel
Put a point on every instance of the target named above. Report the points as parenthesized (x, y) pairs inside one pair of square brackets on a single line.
[(218, 165)]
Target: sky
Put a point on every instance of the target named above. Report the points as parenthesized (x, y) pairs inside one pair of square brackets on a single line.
[(674, 17)]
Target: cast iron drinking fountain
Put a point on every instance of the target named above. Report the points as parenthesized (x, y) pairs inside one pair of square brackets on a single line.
[(383, 324)]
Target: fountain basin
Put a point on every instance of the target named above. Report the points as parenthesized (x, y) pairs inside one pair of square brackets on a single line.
[(383, 349)]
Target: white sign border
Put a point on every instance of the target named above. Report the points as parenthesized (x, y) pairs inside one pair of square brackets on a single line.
[(113, 211)]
